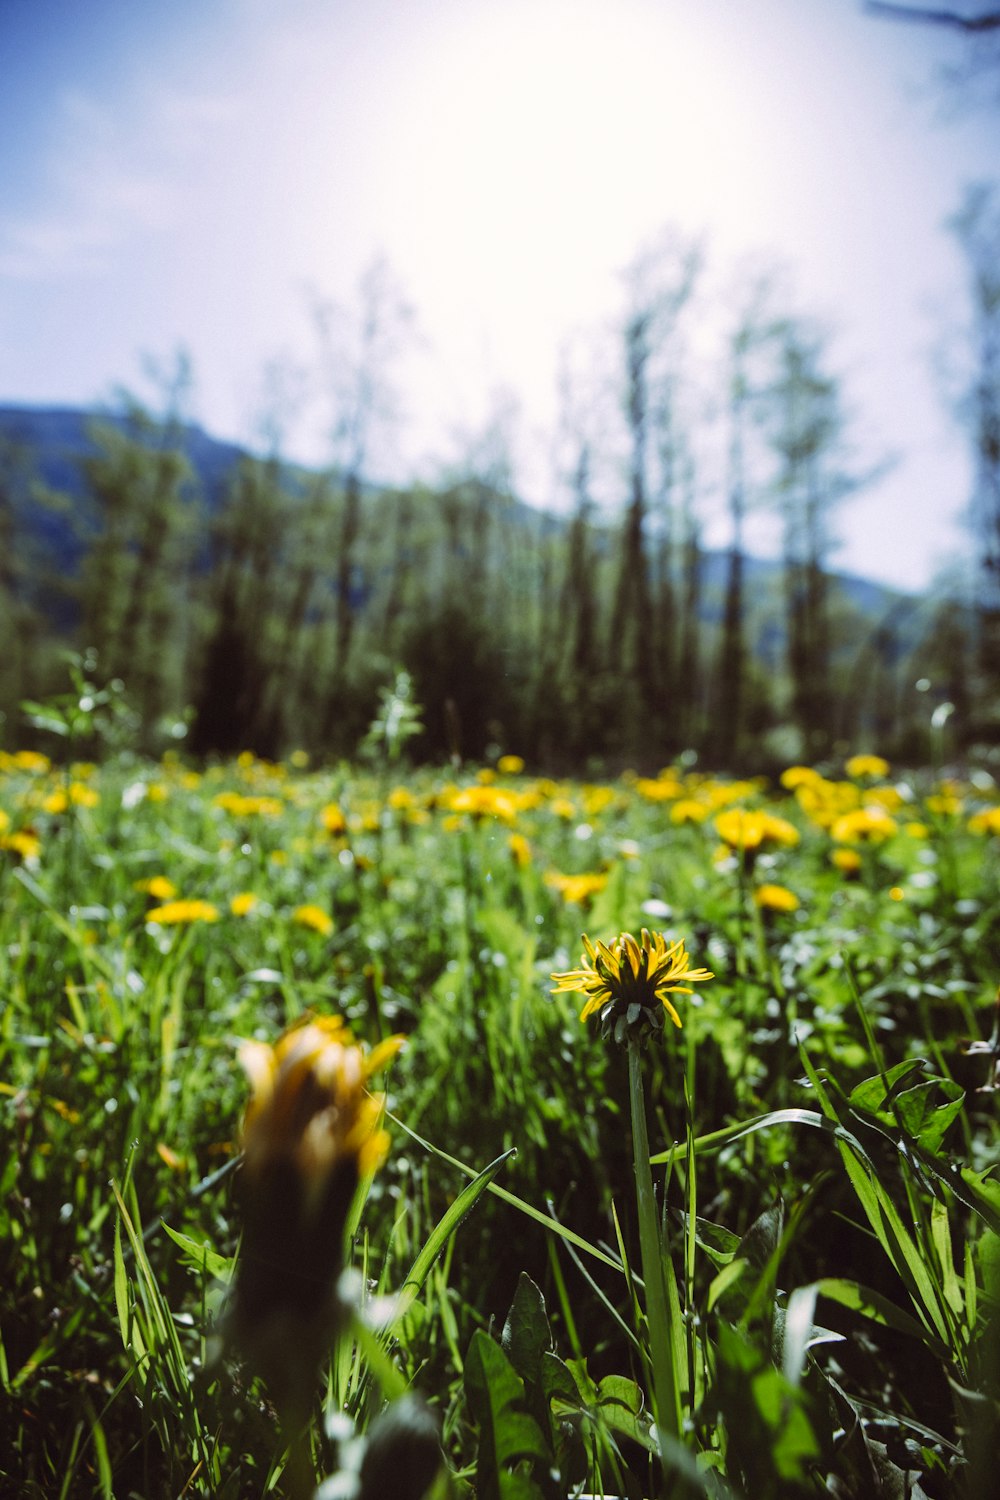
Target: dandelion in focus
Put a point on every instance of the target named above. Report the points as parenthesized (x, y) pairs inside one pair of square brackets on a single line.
[(629, 984)]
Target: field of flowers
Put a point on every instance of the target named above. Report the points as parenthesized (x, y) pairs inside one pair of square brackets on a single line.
[(737, 1232)]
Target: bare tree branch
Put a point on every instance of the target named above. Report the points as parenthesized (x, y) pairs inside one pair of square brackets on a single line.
[(988, 21)]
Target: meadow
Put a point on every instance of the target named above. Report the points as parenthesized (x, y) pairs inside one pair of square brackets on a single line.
[(756, 1253)]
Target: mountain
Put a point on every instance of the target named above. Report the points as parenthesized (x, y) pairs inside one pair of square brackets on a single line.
[(52, 444)]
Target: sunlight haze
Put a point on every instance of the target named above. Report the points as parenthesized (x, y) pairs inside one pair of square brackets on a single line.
[(200, 175)]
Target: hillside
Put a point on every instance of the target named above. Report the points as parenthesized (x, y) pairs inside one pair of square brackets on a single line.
[(51, 445)]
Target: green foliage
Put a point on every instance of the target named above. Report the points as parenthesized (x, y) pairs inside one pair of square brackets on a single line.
[(829, 1243)]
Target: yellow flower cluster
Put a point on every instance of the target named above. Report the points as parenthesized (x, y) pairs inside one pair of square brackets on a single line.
[(243, 806)]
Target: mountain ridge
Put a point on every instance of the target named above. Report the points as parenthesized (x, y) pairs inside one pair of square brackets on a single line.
[(54, 441)]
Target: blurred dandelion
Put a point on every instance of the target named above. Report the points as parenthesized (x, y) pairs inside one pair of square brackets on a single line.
[(312, 1133), (182, 913), (313, 917)]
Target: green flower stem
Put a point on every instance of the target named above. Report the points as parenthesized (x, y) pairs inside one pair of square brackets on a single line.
[(665, 1399)]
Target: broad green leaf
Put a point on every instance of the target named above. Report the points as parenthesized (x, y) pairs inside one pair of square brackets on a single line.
[(924, 1117), (621, 1405), (201, 1258), (494, 1392), (873, 1095), (526, 1334)]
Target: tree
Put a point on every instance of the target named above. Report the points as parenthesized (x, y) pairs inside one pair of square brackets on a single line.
[(133, 575), (978, 30), (806, 433), (977, 227), (659, 286), (356, 355)]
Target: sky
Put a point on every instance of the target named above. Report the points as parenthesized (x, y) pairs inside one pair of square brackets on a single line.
[(204, 174)]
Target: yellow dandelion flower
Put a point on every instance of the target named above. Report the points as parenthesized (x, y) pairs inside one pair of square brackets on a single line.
[(866, 825), (182, 913), (848, 861), (779, 830), (658, 789), (520, 849), (56, 802), (313, 917), (916, 830), (688, 810), (32, 761), (82, 795), (483, 802), (796, 776), (157, 886), (575, 889), (775, 898), (946, 804), (24, 842), (740, 828), (243, 903), (896, 893), (987, 821), (510, 765), (861, 767), (629, 984), (333, 819), (242, 805), (888, 797), (596, 799)]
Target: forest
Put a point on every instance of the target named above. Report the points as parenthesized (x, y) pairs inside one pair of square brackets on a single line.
[(264, 605)]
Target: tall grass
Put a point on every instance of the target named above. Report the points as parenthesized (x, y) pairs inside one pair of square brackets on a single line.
[(821, 1133)]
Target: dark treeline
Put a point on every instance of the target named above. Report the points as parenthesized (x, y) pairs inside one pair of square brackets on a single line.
[(270, 612)]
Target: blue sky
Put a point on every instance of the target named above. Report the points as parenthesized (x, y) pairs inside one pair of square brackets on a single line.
[(196, 173)]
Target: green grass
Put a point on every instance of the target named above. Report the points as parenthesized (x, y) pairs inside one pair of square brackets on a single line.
[(822, 1132)]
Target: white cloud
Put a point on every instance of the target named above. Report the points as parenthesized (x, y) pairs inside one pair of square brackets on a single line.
[(116, 175)]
